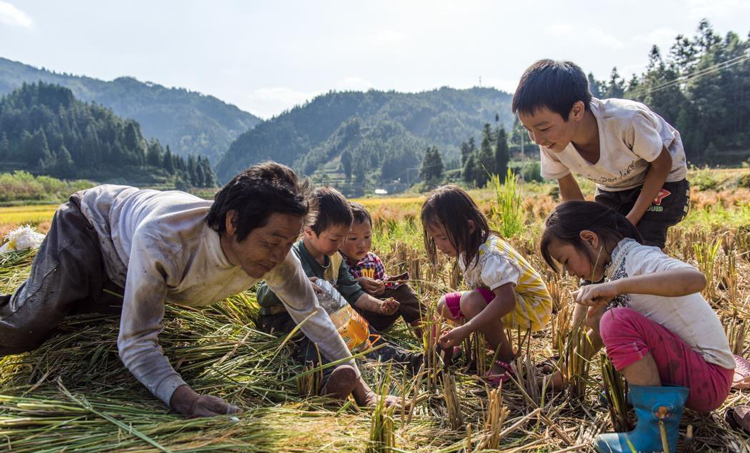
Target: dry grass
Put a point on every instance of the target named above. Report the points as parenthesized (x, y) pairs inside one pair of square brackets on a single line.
[(73, 394)]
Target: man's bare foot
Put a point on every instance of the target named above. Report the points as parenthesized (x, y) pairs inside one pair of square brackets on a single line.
[(340, 383)]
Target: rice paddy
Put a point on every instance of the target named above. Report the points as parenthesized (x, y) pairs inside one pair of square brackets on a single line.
[(74, 394)]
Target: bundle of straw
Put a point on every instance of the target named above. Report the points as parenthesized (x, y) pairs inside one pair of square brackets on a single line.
[(452, 402), (616, 391)]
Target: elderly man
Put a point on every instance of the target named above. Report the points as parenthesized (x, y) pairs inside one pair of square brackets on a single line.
[(172, 246)]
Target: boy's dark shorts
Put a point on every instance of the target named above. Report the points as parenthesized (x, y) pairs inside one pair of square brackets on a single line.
[(669, 207)]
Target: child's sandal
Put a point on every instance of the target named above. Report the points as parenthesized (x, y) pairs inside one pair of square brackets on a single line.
[(496, 379)]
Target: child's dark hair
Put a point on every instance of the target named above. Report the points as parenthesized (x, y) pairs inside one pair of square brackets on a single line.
[(568, 219), (254, 195), (451, 207), (360, 213), (328, 208), (556, 85)]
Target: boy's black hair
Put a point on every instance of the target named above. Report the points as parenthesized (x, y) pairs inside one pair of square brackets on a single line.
[(255, 194), (568, 219), (556, 85), (451, 207), (360, 213), (328, 208)]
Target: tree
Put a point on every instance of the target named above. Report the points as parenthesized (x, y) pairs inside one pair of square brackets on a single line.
[(432, 165), (485, 158), (64, 165), (616, 85), (594, 86), (346, 162), (37, 147), (155, 153), (469, 172), (467, 148), (168, 161), (502, 156)]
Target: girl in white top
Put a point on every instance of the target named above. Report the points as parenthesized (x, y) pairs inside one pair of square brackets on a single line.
[(506, 291), (657, 328)]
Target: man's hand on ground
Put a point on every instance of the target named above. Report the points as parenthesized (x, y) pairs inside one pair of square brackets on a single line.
[(190, 404)]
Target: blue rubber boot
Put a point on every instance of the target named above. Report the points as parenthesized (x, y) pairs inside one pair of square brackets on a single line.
[(652, 405)]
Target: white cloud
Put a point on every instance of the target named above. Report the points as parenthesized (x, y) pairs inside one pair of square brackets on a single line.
[(603, 38), (10, 15), (354, 84), (386, 37), (699, 9), (560, 29), (281, 94), (509, 86), (594, 36), (269, 101), (662, 37)]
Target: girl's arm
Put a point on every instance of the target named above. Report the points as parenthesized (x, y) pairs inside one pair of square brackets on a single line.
[(670, 283), (503, 303)]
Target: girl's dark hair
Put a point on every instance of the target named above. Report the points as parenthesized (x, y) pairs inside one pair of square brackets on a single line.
[(328, 208), (361, 215), (451, 207), (255, 194), (568, 219)]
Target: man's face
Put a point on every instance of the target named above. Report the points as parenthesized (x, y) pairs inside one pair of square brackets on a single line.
[(359, 241), (548, 129), (264, 248), (329, 241)]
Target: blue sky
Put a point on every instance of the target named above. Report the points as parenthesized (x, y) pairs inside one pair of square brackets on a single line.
[(267, 56)]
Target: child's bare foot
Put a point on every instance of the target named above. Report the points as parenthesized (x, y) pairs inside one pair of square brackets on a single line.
[(500, 372), (554, 381)]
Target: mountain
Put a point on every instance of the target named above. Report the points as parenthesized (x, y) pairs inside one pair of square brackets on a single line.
[(187, 121), (385, 134), (44, 129)]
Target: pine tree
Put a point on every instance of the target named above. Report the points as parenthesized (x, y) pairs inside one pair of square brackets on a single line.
[(502, 155), (64, 165), (168, 161), (616, 85), (469, 172), (155, 156), (192, 177), (594, 86), (346, 162), (432, 166), (485, 158)]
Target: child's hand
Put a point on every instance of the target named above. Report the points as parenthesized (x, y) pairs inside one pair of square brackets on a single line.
[(592, 295), (389, 306), (374, 287), (316, 288), (453, 337)]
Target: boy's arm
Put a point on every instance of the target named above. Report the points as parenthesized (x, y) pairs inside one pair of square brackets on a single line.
[(569, 188), (655, 176)]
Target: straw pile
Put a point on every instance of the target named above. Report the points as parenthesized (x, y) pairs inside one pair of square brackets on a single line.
[(73, 393)]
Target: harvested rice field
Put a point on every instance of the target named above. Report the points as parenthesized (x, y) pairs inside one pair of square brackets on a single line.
[(74, 394)]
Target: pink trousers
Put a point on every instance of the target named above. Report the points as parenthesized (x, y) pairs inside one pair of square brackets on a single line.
[(629, 336)]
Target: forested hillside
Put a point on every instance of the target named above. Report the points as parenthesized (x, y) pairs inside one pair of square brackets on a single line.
[(44, 129), (374, 131), (189, 122)]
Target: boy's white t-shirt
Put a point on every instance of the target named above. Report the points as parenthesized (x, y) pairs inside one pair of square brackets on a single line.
[(630, 137), (689, 317)]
